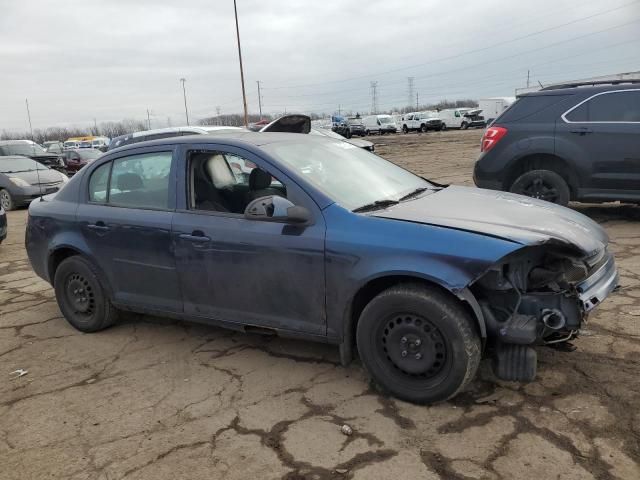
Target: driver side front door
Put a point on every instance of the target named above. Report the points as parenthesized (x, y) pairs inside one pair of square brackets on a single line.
[(246, 271)]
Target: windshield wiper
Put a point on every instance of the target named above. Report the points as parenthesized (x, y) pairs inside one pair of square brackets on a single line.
[(414, 193), (377, 205)]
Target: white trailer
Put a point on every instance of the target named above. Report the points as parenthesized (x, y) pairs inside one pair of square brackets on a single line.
[(494, 106)]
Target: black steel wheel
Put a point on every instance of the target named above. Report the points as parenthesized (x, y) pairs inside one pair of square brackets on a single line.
[(543, 185), (418, 343), (413, 345), (81, 297)]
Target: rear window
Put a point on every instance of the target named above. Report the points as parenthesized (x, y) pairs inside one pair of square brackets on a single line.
[(528, 105)]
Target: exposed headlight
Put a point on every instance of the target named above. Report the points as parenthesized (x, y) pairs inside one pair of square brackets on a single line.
[(19, 182)]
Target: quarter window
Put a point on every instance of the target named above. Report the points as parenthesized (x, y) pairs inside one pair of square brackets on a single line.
[(609, 107), (98, 183)]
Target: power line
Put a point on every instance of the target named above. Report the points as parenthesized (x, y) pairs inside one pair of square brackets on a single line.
[(476, 50)]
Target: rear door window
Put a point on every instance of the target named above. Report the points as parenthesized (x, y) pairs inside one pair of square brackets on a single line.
[(622, 106), (141, 181)]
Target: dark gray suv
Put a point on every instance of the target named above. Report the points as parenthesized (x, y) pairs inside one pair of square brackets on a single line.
[(569, 142)]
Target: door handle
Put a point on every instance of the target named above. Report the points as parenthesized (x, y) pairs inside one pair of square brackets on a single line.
[(197, 237), (98, 226), (581, 130)]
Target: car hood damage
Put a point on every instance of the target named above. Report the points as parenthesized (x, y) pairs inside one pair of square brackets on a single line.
[(504, 215)]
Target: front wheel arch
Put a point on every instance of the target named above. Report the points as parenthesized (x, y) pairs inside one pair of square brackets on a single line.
[(376, 286)]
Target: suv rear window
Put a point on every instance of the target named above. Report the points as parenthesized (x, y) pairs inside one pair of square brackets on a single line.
[(528, 105), (609, 107)]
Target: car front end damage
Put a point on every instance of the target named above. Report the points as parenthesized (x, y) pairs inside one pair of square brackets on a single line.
[(540, 295)]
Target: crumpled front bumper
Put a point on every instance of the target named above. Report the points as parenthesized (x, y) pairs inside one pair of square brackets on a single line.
[(598, 286)]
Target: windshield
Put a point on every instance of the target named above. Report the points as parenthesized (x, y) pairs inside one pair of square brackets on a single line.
[(69, 144), (24, 149), (385, 119), (345, 173), (89, 154), (8, 165)]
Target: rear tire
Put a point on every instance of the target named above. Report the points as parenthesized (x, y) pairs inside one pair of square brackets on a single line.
[(544, 185), (81, 297), (418, 343), (6, 200), (405, 130)]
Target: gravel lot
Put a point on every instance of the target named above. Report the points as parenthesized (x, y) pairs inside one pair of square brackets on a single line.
[(155, 399)]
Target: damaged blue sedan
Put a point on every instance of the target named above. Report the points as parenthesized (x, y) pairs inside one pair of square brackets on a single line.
[(311, 237)]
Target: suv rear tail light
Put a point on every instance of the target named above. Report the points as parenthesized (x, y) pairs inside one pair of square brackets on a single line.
[(492, 135)]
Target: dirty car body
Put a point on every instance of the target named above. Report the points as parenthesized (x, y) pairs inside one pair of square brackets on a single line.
[(337, 264)]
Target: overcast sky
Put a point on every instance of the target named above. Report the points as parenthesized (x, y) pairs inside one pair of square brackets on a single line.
[(76, 60)]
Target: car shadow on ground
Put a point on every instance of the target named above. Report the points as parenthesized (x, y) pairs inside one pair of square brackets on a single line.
[(607, 212)]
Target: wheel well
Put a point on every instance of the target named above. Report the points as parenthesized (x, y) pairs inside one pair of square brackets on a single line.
[(542, 162), (56, 258), (377, 286)]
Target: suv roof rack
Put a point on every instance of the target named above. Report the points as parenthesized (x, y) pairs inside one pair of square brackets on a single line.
[(591, 83)]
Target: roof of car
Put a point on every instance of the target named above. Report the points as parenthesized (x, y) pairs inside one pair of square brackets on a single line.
[(586, 88), (231, 137), (15, 142)]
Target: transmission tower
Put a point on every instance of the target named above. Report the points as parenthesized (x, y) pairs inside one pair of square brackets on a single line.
[(410, 88), (374, 97)]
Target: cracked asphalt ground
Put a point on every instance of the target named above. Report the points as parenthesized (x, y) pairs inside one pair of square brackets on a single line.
[(157, 399)]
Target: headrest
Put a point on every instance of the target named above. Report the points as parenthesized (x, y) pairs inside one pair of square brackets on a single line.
[(259, 179), (219, 172), (129, 181)]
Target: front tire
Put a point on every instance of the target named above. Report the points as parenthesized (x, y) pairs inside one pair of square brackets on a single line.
[(81, 297), (418, 343), (6, 200), (423, 128), (444, 127), (544, 185), (464, 125)]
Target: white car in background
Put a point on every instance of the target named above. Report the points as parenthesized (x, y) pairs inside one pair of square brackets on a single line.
[(461, 118)]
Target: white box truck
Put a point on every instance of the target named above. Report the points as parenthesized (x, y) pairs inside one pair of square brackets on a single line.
[(494, 106)]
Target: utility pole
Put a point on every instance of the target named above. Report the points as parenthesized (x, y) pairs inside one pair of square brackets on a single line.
[(259, 99), (410, 88), (218, 110), (95, 125), (417, 100), (244, 95), (148, 120), (374, 97), (184, 95), (339, 110), (26, 101), (528, 78)]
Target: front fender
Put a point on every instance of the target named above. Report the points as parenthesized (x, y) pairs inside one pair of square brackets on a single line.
[(362, 250)]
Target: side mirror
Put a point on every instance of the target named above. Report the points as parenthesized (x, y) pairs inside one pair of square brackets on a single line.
[(276, 209)]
